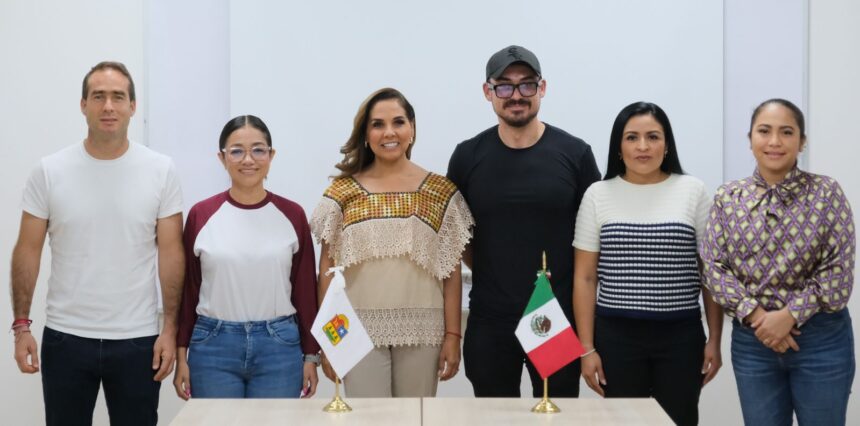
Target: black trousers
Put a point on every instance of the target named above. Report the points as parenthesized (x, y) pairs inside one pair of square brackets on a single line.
[(659, 359), (74, 367), (493, 359)]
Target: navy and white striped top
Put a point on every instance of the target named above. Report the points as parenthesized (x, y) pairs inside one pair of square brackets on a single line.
[(647, 237)]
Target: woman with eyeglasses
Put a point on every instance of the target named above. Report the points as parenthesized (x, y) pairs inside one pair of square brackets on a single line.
[(400, 232), (250, 284), (636, 276), (779, 252)]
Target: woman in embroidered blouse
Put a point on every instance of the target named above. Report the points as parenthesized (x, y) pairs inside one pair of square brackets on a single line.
[(779, 254), (400, 232), (636, 268)]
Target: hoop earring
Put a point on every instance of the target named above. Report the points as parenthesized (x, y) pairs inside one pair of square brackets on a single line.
[(620, 157), (366, 145), (665, 153)]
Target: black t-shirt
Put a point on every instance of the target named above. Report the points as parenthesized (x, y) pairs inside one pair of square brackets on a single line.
[(524, 202)]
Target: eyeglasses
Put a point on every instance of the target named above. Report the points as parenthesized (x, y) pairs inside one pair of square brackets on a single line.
[(258, 153), (506, 90)]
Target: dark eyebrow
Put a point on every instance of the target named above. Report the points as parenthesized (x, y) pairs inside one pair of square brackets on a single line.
[(253, 144), (113, 93), (395, 118), (502, 80)]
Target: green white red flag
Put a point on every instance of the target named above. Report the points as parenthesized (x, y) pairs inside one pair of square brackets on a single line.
[(545, 333)]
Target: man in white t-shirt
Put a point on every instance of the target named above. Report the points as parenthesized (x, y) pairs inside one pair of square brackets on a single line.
[(113, 211)]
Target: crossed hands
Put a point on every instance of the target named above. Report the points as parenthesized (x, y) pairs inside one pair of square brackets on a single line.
[(775, 329)]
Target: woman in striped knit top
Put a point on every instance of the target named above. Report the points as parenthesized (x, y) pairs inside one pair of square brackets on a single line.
[(636, 277)]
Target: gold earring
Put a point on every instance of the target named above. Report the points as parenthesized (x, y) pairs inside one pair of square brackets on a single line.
[(366, 145)]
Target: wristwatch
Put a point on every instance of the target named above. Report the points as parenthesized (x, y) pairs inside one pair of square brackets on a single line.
[(314, 358)]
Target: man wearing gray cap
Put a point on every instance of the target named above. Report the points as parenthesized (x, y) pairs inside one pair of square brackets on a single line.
[(523, 180)]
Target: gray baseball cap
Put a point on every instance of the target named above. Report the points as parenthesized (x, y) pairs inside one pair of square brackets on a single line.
[(501, 60)]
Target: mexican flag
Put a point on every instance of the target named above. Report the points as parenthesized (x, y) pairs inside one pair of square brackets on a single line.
[(545, 333)]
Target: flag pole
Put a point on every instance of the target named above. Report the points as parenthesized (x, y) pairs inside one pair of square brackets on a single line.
[(545, 406), (337, 405)]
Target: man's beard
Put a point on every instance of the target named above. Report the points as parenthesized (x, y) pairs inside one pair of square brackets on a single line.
[(520, 121)]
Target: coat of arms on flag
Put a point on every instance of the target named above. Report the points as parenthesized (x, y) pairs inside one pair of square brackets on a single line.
[(338, 329), (545, 333)]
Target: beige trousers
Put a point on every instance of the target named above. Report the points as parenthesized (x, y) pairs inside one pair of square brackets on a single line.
[(395, 371)]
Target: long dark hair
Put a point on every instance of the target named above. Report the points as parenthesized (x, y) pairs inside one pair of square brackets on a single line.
[(239, 122), (356, 155), (615, 165)]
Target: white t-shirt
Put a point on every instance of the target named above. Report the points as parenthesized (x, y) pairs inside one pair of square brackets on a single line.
[(249, 263), (246, 255), (101, 226)]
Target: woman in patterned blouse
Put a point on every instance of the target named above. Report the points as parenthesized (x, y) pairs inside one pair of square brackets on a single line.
[(400, 232), (779, 257)]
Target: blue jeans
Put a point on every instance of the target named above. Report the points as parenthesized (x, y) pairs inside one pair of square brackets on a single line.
[(256, 359), (74, 367), (814, 382)]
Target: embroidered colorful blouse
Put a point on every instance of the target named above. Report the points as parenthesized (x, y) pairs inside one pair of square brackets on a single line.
[(791, 244), (396, 248)]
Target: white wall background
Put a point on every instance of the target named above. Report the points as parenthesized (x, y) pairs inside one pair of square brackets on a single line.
[(834, 90), (305, 68), (307, 79), (760, 35)]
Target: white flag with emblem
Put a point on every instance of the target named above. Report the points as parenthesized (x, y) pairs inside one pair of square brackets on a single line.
[(342, 337)]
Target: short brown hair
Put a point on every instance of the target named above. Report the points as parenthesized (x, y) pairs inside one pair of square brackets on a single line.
[(117, 66)]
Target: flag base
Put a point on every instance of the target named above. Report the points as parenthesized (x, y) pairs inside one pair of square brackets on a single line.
[(337, 405), (545, 406)]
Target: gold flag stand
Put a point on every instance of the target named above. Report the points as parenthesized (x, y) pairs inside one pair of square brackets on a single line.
[(338, 405), (545, 406)]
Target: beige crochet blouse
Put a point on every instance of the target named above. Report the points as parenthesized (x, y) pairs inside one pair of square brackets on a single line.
[(396, 248)]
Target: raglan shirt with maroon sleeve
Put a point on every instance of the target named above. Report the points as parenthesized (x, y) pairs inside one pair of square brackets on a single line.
[(248, 263)]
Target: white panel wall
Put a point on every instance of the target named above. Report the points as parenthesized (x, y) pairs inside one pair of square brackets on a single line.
[(834, 91), (765, 57), (304, 67), (188, 71)]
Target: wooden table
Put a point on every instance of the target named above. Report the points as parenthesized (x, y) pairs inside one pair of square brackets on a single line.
[(259, 412), (421, 411), (517, 411)]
